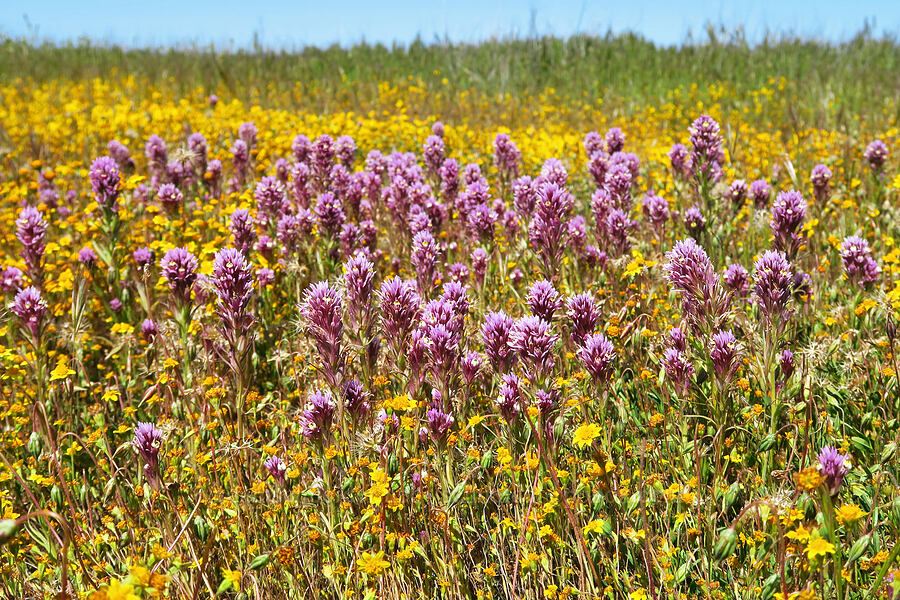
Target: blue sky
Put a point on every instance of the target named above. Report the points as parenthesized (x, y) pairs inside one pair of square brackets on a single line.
[(294, 24)]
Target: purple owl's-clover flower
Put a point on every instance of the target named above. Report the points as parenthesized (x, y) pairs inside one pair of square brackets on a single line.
[(706, 149), (690, 272), (105, 181), (737, 279), (31, 309), (495, 333), (876, 155), (859, 265), (119, 152), (506, 157), (424, 258), (359, 277), (170, 197), (678, 369), (656, 210), (357, 401), (143, 257), (760, 191), (597, 355), (724, 355), (233, 282), (694, 221), (543, 300), (243, 230), (786, 364), (439, 424), (433, 152), (147, 442), (821, 180), (11, 279), (680, 161), (321, 310), (179, 267), (87, 257), (400, 306), (584, 314), (149, 330), (31, 229), (788, 214), (738, 192), (156, 152), (532, 339), (509, 399), (269, 196), (833, 466), (615, 140), (317, 416), (548, 230), (276, 468), (772, 287)]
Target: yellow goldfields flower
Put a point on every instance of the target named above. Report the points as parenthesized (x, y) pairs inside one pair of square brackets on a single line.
[(585, 434), (372, 564)]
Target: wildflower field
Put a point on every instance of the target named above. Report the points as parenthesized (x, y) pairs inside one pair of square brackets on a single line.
[(313, 326)]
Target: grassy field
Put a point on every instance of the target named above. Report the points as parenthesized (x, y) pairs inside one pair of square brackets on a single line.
[(532, 319)]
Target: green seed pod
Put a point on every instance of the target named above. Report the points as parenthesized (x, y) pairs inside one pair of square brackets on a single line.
[(56, 495), (770, 586), (767, 443), (8, 530), (393, 465), (201, 528), (726, 544), (731, 494), (859, 548), (35, 444), (486, 459), (597, 502)]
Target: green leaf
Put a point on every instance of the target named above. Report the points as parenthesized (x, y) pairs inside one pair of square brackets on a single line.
[(456, 494)]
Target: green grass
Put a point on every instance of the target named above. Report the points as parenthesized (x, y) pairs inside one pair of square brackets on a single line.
[(860, 75)]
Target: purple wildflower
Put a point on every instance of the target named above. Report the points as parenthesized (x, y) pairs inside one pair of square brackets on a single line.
[(821, 180), (737, 279), (233, 281), (495, 333), (31, 309), (547, 231), (105, 182), (317, 416), (761, 192), (509, 400), (876, 154), (179, 267), (584, 313), (243, 230), (788, 213), (772, 286), (11, 279), (678, 369), (532, 339), (597, 355), (170, 197), (149, 330), (276, 468), (833, 466), (856, 255), (543, 300), (31, 229), (321, 310), (400, 306), (439, 424), (147, 441), (694, 221), (656, 210), (724, 355)]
